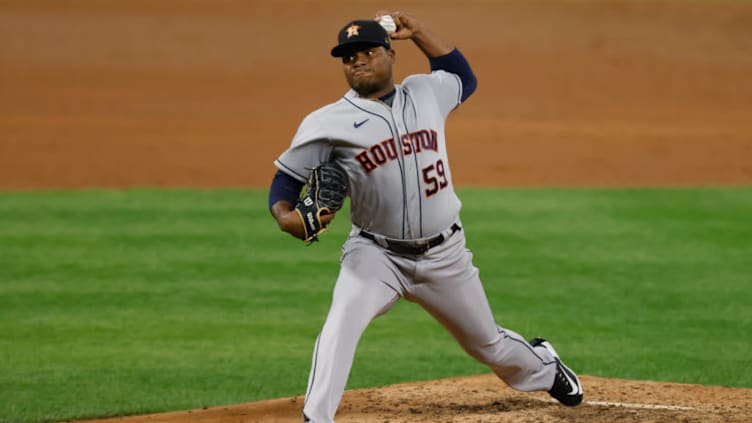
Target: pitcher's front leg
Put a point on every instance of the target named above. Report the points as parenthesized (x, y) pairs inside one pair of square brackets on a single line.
[(356, 301)]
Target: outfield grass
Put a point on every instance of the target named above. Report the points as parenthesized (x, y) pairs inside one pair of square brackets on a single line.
[(123, 302)]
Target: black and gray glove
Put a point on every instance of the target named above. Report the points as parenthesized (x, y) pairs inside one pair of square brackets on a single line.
[(325, 194)]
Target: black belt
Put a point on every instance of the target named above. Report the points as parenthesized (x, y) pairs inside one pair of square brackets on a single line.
[(412, 247)]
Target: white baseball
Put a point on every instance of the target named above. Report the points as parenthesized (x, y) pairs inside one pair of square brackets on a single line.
[(387, 22)]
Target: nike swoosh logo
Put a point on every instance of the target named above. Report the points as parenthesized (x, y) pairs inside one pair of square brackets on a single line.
[(573, 382), (359, 124)]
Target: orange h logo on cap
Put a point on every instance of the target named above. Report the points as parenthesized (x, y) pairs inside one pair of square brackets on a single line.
[(352, 30)]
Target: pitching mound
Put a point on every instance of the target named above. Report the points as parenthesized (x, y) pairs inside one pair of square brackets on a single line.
[(486, 399)]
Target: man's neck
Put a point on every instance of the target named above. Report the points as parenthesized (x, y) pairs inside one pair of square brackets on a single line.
[(388, 97)]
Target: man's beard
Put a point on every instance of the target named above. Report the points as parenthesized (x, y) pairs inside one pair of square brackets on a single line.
[(365, 89)]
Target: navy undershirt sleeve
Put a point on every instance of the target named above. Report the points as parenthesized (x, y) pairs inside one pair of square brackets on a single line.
[(284, 187), (454, 62)]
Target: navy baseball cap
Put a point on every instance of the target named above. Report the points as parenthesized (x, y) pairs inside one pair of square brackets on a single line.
[(360, 34)]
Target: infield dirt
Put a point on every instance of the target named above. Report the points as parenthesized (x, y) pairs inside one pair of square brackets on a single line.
[(485, 399), (190, 93)]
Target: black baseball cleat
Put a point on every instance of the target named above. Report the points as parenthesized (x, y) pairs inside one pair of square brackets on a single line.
[(567, 388)]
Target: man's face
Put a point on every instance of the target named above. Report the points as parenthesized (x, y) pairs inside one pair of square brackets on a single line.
[(369, 70)]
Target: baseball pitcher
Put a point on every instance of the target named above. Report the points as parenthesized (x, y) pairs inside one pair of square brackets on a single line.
[(384, 145)]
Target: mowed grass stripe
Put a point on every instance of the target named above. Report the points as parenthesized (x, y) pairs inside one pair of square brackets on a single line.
[(137, 301)]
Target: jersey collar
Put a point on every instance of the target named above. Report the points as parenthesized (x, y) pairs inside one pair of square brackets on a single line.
[(374, 104)]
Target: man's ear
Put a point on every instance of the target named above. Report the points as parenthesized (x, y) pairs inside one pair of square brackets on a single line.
[(392, 54)]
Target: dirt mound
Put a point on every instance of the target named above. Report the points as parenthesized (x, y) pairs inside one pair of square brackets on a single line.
[(486, 399)]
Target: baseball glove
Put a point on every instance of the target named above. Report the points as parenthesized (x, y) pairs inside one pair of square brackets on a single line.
[(324, 194)]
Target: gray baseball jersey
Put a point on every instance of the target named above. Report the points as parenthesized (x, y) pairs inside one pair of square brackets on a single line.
[(401, 188), (395, 157)]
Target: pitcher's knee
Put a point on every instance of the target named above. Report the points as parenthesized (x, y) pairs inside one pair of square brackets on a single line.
[(487, 354)]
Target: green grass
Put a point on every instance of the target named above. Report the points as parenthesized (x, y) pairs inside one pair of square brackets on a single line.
[(138, 301)]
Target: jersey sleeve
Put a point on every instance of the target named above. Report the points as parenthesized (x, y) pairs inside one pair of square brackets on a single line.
[(455, 62), (446, 88), (309, 147)]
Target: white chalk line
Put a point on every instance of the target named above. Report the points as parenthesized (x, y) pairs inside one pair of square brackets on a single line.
[(633, 405), (641, 406)]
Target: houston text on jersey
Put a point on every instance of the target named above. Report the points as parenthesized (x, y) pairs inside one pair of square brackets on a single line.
[(412, 142)]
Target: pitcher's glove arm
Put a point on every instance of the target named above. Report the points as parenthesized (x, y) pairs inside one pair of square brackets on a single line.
[(324, 194)]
